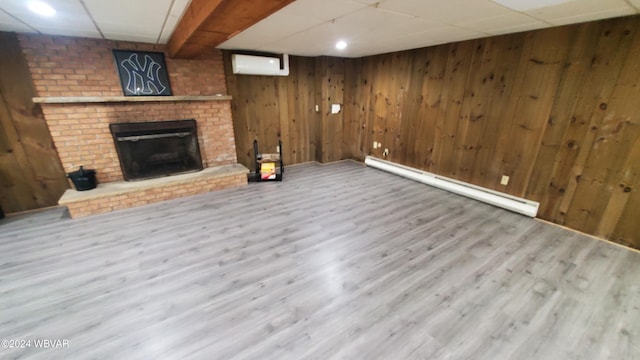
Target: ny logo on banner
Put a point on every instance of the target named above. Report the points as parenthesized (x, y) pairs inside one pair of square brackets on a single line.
[(142, 73), (143, 78)]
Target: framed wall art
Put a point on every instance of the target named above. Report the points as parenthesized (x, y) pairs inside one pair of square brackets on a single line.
[(142, 73)]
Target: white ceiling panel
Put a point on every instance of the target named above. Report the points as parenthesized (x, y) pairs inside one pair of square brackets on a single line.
[(582, 10), (320, 39), (70, 18), (526, 5), (398, 44), (129, 37), (8, 23), (502, 24), (272, 29), (324, 10), (449, 12), (369, 2), (592, 16), (175, 14), (312, 42), (70, 31), (432, 37), (123, 17), (516, 28), (312, 27), (381, 23), (447, 33), (373, 27), (325, 36)]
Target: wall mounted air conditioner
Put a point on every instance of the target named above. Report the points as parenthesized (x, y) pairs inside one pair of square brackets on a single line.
[(260, 65)]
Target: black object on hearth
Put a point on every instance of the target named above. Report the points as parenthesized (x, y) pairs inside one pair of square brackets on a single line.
[(83, 179)]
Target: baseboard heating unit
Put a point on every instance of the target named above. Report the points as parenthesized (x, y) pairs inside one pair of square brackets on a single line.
[(496, 198)]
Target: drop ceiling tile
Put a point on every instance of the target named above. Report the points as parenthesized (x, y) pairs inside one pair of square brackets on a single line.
[(591, 16), (143, 18), (368, 31), (165, 35), (376, 26), (383, 21), (271, 29), (323, 37), (365, 25), (69, 32), (447, 39), (517, 28), (279, 48), (130, 37), (526, 5), (442, 34), (325, 10), (399, 32), (175, 15), (399, 44), (10, 27), (369, 2), (449, 11), (70, 18), (7, 23), (311, 27), (581, 10), (499, 24), (310, 41)]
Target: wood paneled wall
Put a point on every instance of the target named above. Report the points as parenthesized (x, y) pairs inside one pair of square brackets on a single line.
[(270, 107), (556, 110), (266, 108), (30, 173), (586, 172), (473, 110), (330, 88)]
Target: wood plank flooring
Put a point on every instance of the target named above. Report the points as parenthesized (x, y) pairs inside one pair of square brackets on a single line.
[(338, 261)]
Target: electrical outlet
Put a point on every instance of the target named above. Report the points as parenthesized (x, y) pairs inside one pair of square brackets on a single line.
[(504, 180), (386, 152), (375, 144)]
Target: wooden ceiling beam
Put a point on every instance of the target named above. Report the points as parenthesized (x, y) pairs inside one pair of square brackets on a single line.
[(209, 23)]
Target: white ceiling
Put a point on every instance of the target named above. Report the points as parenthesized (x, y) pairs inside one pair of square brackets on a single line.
[(149, 21), (312, 27)]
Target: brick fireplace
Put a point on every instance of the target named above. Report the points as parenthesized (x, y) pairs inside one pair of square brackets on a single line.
[(80, 95), (82, 137)]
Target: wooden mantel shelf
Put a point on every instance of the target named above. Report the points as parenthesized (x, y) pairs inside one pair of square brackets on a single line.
[(108, 99)]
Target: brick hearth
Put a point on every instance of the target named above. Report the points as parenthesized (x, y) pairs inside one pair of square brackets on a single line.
[(122, 194)]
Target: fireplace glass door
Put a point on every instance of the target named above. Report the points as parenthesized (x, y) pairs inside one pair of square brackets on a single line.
[(155, 149)]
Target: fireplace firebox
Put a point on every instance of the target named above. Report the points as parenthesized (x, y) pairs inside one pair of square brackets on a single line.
[(154, 149)]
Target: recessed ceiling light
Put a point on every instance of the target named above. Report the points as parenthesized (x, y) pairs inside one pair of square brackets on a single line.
[(341, 45), (525, 5), (41, 8)]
